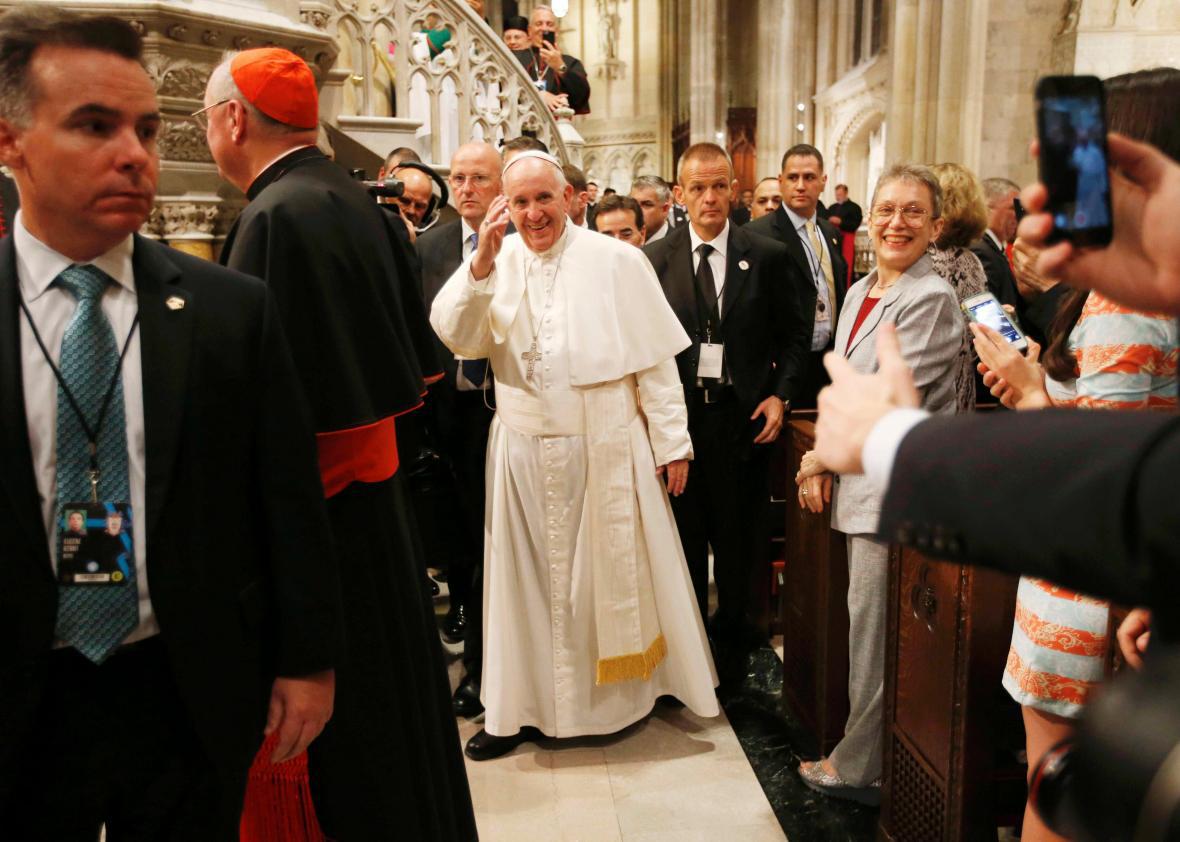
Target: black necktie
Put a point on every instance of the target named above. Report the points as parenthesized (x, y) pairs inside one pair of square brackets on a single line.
[(707, 286)]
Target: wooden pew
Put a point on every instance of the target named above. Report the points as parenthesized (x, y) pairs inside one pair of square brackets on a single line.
[(948, 720), (950, 727), (813, 609)]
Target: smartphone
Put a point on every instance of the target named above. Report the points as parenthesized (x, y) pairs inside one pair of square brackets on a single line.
[(1018, 209), (986, 309), (550, 37), (1071, 125)]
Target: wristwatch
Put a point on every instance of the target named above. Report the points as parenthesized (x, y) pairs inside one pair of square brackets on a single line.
[(560, 70)]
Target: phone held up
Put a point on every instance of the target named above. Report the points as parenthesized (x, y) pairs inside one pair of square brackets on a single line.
[(1071, 125), (550, 38), (986, 309)]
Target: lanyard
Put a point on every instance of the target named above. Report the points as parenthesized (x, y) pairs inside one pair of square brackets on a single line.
[(91, 432)]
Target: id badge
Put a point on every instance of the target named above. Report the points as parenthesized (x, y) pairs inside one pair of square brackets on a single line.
[(821, 310), (539, 84), (96, 546), (709, 364)]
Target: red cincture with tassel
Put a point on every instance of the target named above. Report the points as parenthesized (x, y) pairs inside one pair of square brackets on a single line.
[(278, 800)]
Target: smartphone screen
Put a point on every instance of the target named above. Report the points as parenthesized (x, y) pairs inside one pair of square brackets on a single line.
[(550, 37), (1073, 160), (987, 311)]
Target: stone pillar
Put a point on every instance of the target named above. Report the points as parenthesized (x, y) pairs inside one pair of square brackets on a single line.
[(902, 92), (806, 16), (825, 55), (1026, 39), (186, 223), (706, 62), (574, 143), (776, 91)]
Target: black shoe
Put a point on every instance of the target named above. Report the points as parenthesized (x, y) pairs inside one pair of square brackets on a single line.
[(455, 624), (483, 746), (466, 701)]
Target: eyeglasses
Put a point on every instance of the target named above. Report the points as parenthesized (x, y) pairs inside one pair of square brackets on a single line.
[(202, 117), (911, 215), (477, 181)]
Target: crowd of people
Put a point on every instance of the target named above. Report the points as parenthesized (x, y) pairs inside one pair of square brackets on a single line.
[(599, 412)]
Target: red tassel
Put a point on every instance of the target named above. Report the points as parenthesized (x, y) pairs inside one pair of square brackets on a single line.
[(278, 804)]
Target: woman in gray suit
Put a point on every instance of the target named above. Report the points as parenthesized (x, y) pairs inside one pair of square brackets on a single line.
[(904, 290)]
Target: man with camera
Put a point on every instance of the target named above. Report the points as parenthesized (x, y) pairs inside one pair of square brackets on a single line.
[(560, 78)]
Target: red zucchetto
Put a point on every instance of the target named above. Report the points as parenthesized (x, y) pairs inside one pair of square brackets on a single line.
[(279, 84)]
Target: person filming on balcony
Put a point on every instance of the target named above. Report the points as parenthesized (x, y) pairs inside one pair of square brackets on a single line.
[(561, 79)]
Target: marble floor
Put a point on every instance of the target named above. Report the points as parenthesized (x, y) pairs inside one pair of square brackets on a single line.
[(672, 776)]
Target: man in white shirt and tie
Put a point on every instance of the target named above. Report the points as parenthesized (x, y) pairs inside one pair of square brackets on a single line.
[(814, 246), (458, 414), (655, 197), (141, 384), (750, 332)]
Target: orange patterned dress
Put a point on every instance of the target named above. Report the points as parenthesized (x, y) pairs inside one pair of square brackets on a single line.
[(1126, 360)]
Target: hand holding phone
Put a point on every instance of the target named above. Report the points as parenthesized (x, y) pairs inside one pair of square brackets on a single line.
[(1071, 126), (986, 309), (1018, 381)]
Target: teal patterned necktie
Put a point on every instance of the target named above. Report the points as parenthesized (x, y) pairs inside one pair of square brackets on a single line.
[(93, 619)]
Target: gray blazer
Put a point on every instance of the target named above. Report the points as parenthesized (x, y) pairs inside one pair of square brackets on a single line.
[(930, 330)]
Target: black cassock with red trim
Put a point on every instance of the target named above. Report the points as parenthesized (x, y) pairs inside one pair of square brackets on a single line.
[(352, 313)]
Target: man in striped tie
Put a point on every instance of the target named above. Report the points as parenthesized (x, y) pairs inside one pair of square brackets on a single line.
[(169, 587)]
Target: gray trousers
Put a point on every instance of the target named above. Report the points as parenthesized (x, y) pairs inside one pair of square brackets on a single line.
[(858, 756)]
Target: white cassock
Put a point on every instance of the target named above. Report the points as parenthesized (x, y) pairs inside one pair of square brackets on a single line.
[(589, 612)]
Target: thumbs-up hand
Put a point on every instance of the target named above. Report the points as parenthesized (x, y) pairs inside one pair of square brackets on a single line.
[(855, 402)]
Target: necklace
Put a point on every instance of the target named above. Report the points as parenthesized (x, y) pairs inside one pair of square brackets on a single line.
[(533, 355)]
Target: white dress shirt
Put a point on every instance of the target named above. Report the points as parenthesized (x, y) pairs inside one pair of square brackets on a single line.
[(821, 332), (661, 232), (884, 440), (52, 308), (461, 382), (991, 235), (716, 257)]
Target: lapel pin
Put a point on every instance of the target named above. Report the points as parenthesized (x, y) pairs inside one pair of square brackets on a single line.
[(743, 265), (174, 302)]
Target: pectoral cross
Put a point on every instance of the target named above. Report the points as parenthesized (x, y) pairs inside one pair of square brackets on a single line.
[(532, 356)]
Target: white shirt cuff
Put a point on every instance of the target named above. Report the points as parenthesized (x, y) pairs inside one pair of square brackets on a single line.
[(880, 448)]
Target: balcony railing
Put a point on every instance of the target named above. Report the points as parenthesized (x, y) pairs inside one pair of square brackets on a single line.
[(467, 87)]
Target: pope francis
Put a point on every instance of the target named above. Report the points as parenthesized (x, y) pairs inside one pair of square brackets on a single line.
[(589, 610)]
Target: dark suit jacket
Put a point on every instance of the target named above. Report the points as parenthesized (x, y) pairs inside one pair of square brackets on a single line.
[(765, 315), (1000, 281), (573, 83), (440, 251), (778, 227), (970, 489), (243, 582), (850, 215)]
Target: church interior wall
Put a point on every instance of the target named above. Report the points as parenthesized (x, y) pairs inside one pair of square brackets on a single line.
[(950, 80)]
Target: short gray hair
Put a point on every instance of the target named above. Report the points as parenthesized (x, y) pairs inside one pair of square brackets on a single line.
[(915, 174), (998, 188), (542, 7), (653, 183)]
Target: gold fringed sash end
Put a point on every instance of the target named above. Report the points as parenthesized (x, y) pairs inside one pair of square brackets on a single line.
[(637, 665)]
